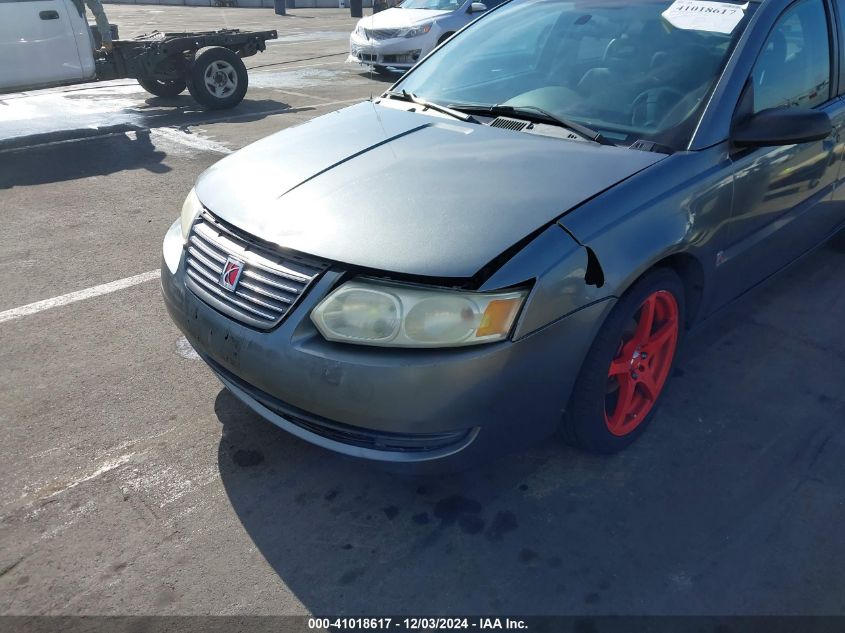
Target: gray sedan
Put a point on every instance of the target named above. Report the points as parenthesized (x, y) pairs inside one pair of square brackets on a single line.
[(515, 238)]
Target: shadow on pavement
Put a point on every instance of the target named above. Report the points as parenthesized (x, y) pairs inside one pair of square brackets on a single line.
[(388, 78), (729, 504), (183, 110), (104, 155)]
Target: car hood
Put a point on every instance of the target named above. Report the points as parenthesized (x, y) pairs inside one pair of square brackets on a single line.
[(396, 18), (404, 192)]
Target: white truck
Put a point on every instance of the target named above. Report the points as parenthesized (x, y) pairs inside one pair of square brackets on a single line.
[(47, 43)]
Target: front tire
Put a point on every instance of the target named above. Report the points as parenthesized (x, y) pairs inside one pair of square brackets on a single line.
[(218, 79), (627, 368), (166, 89)]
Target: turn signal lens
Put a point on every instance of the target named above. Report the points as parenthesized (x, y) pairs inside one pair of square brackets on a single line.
[(498, 317), (372, 312)]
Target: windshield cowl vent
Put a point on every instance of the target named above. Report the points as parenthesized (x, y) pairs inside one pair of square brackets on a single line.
[(517, 125)]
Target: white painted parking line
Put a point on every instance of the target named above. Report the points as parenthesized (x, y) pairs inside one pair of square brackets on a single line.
[(190, 140), (272, 68), (79, 295), (301, 94), (328, 103)]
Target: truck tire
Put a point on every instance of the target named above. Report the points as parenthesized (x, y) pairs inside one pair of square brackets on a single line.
[(218, 79), (161, 88)]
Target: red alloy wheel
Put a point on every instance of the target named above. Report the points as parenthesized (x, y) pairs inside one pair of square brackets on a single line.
[(641, 366)]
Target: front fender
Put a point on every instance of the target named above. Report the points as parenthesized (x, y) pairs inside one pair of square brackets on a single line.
[(681, 205), (558, 267)]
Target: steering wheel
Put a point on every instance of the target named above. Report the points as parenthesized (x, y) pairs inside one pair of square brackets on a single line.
[(650, 105)]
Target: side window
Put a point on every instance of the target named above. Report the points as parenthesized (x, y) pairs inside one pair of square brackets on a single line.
[(793, 69)]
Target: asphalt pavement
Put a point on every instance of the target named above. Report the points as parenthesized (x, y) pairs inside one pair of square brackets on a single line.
[(133, 483)]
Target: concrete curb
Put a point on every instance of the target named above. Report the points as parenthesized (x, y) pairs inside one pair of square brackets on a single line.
[(64, 136)]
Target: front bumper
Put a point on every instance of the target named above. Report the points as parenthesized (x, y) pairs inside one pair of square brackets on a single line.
[(399, 52), (391, 405)]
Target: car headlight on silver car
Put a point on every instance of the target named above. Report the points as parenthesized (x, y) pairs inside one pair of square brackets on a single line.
[(190, 210), (416, 31), (371, 312)]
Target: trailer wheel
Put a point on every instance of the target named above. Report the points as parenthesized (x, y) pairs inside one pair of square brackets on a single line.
[(218, 79), (160, 88)]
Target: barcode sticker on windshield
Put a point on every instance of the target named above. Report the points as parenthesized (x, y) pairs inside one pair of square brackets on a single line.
[(700, 15)]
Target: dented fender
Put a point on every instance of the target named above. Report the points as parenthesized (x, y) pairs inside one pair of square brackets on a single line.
[(569, 279)]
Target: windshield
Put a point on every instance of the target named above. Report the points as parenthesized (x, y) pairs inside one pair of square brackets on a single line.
[(434, 5), (630, 70)]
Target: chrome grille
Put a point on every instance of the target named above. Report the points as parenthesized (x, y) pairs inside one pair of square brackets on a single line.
[(269, 285), (382, 34)]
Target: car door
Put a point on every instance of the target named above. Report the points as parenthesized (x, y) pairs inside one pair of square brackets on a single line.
[(837, 219), (783, 203), (38, 44)]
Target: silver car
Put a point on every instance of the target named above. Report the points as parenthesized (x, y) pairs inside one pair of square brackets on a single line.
[(401, 36)]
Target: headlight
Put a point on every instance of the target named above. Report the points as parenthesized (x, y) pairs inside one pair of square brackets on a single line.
[(190, 210), (369, 312), (416, 31)]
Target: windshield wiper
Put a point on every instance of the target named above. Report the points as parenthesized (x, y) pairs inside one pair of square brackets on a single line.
[(430, 105), (537, 115)]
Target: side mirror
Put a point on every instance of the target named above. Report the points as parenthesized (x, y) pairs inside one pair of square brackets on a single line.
[(782, 126), (477, 7)]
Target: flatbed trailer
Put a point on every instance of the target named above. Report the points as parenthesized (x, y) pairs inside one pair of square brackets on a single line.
[(53, 45), (209, 64)]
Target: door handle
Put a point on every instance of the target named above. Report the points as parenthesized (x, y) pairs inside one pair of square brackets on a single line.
[(49, 15)]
